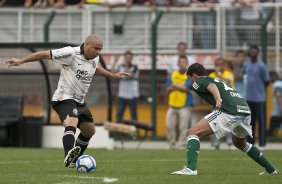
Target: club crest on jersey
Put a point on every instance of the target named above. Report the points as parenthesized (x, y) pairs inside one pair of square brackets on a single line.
[(75, 111)]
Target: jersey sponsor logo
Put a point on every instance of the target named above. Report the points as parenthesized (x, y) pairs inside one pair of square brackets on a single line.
[(234, 94), (243, 109), (195, 85), (83, 76), (77, 97), (62, 56)]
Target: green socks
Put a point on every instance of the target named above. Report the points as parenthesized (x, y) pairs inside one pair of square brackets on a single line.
[(192, 149), (257, 156)]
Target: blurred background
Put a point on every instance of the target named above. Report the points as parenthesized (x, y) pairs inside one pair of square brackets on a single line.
[(153, 31)]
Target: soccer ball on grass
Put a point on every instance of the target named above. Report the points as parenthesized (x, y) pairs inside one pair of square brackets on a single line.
[(85, 163)]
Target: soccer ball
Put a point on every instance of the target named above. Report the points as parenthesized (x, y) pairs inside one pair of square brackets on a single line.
[(85, 163)]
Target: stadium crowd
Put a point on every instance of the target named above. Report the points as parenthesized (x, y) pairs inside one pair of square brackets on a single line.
[(129, 3)]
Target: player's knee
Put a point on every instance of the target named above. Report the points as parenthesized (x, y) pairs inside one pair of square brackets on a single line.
[(239, 145), (70, 121), (90, 132)]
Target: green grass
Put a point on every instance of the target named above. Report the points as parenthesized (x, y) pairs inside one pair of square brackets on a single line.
[(134, 167)]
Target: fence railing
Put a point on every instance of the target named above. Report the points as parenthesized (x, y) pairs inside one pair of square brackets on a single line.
[(222, 30)]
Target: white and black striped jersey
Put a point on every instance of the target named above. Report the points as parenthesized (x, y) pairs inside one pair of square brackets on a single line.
[(76, 73)]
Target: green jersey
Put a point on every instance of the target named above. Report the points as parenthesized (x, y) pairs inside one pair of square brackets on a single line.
[(232, 102)]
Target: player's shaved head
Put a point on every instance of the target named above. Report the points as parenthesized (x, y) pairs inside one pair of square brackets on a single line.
[(92, 46), (93, 38)]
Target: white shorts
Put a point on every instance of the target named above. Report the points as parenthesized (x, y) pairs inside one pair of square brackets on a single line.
[(222, 124)]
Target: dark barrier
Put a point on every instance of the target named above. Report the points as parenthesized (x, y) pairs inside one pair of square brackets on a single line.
[(32, 131)]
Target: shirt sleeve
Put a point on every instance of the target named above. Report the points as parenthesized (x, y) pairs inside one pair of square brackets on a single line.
[(201, 84), (63, 55), (188, 84), (169, 82)]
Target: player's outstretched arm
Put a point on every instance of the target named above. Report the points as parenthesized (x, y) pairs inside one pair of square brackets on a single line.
[(106, 73), (36, 56), (212, 88)]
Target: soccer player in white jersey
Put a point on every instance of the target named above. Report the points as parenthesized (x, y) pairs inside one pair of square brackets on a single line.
[(79, 64)]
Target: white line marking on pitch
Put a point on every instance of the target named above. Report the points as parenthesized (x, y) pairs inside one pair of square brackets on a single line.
[(104, 179)]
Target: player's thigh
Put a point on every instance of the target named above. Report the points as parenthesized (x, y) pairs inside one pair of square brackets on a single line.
[(201, 129), (67, 111)]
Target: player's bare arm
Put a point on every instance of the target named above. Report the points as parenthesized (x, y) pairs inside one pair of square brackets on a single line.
[(180, 87), (212, 88), (106, 73), (29, 58)]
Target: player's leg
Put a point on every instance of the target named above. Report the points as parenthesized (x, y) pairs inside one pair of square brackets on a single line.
[(253, 108), (253, 152), (87, 128), (68, 113), (87, 131), (171, 122), (199, 130)]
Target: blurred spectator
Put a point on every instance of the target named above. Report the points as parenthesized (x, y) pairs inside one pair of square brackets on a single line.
[(257, 79), (180, 102), (139, 2), (128, 93), (206, 21), (25, 3), (221, 72), (182, 51), (238, 71), (250, 15), (63, 3), (181, 3), (158, 3), (276, 118), (43, 3), (231, 20)]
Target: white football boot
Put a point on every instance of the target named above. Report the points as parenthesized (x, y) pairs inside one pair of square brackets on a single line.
[(185, 171), (71, 156), (267, 173)]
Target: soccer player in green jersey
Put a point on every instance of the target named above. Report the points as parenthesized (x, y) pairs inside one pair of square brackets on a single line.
[(232, 115)]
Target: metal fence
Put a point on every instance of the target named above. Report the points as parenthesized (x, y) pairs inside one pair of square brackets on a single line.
[(222, 30)]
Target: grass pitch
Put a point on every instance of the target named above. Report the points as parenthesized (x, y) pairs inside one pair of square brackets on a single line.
[(134, 167)]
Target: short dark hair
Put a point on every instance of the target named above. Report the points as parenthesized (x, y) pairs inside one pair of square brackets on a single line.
[(183, 57), (197, 69), (240, 52), (128, 52), (254, 47), (182, 43)]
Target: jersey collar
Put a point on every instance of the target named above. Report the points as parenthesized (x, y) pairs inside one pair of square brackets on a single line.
[(81, 49)]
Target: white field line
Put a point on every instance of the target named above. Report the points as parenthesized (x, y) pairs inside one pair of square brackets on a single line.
[(103, 179)]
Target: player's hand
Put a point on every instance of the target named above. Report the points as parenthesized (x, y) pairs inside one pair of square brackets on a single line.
[(13, 62), (121, 75), (218, 103)]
